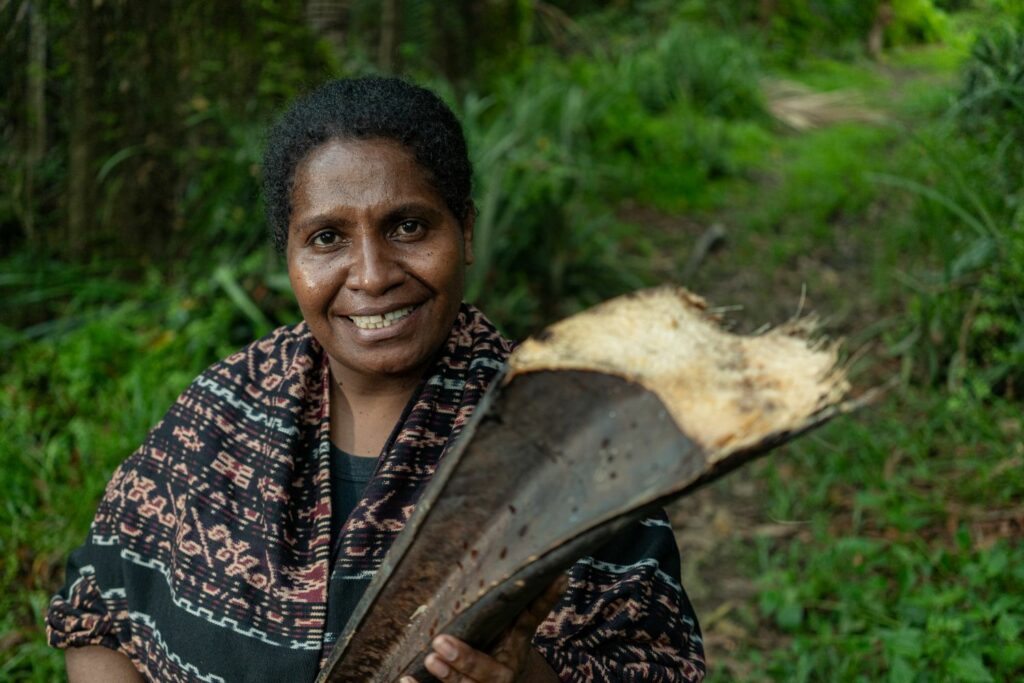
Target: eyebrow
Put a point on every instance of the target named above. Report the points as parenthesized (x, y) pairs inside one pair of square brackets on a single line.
[(404, 210), (316, 222), (408, 209)]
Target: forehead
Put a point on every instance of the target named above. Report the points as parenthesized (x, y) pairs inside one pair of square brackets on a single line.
[(360, 172)]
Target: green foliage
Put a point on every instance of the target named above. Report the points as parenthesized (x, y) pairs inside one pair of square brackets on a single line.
[(991, 102), (895, 562), (796, 29), (798, 25), (967, 318), (825, 185), (654, 123), (915, 22), (179, 95), (711, 70), (998, 330), (540, 250), (899, 573), (444, 38), (221, 196)]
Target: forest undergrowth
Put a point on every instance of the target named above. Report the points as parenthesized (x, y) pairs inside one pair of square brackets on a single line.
[(887, 546), (882, 195)]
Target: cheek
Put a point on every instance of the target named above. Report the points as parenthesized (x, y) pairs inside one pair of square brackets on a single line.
[(444, 268), (309, 283), (304, 285)]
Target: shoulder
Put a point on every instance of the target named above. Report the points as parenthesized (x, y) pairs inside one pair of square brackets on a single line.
[(285, 352), (267, 387), (258, 394), (220, 428)]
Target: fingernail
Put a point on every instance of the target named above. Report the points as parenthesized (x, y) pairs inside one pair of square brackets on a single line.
[(446, 649), (407, 679), (440, 669)]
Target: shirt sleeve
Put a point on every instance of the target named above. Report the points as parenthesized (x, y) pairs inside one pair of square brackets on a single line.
[(625, 615), (91, 607)]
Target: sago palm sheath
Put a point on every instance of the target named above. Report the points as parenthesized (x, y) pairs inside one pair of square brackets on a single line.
[(599, 419)]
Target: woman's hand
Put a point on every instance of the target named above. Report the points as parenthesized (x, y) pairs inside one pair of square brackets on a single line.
[(453, 661), (513, 660)]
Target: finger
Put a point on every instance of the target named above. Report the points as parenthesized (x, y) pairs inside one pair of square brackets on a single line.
[(470, 664), (406, 679), (440, 670)]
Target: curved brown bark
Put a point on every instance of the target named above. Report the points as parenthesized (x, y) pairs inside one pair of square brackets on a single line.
[(561, 457)]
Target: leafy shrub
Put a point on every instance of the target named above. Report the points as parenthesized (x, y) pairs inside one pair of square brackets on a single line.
[(998, 329), (991, 102), (540, 251), (88, 363), (968, 317), (561, 144), (221, 196), (915, 22), (711, 71), (794, 29)]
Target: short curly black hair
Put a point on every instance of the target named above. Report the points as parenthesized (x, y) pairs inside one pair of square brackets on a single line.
[(365, 108)]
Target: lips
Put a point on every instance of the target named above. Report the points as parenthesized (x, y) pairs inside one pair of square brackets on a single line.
[(379, 321)]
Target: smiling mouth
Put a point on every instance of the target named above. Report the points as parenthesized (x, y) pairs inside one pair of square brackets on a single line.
[(376, 322)]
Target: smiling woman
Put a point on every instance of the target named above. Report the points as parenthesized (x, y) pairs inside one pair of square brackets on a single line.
[(377, 263), (236, 542)]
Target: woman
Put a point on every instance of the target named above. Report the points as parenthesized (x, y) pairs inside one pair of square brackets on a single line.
[(236, 541)]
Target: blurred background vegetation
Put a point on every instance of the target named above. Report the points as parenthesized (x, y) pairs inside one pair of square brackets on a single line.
[(863, 159)]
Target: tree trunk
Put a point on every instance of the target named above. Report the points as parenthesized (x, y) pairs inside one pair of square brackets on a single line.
[(388, 36), (876, 37), (328, 19), (766, 11), (150, 107), (82, 142), (458, 35), (36, 106)]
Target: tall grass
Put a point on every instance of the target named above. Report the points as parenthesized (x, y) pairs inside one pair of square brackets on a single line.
[(561, 144), (967, 316)]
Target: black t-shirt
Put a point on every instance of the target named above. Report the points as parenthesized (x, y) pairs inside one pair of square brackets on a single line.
[(349, 476)]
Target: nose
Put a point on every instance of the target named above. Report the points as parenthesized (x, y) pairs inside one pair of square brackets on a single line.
[(374, 269)]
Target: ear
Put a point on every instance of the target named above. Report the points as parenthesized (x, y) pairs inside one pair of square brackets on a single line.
[(468, 223)]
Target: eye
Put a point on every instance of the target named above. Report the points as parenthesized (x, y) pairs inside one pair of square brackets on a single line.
[(408, 229), (326, 238)]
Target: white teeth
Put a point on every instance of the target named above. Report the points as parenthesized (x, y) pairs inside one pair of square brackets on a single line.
[(375, 322)]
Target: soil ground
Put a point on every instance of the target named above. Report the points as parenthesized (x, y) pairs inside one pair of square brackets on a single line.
[(719, 527)]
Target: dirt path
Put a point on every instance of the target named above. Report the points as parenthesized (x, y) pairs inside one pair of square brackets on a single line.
[(720, 527)]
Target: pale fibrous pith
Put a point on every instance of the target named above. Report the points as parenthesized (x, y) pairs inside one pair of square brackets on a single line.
[(725, 391)]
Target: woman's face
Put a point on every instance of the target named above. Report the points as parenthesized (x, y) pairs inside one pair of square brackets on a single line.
[(375, 257)]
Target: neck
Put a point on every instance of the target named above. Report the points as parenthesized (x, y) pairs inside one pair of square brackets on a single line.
[(364, 411)]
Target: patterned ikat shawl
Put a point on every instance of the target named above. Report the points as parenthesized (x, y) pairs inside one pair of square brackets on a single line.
[(209, 558)]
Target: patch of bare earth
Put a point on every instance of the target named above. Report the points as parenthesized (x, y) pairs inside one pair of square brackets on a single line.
[(719, 526)]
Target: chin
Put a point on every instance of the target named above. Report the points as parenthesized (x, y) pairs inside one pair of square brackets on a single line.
[(387, 367)]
